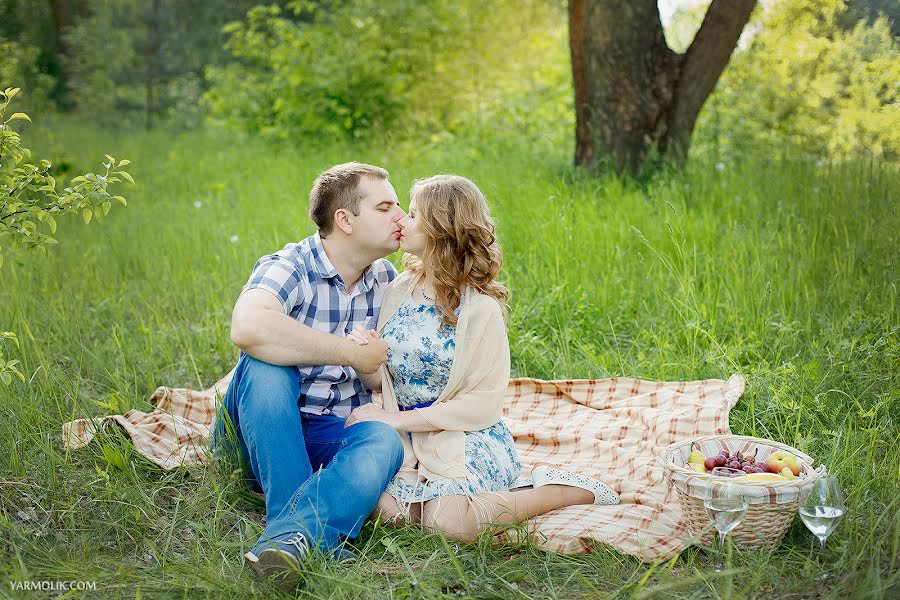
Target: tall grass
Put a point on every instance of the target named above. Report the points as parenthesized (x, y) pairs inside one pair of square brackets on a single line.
[(785, 273)]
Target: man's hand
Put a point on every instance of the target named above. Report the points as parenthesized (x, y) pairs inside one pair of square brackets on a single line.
[(370, 412), (368, 357)]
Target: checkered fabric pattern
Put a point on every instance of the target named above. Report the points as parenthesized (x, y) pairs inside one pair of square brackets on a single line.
[(610, 429), (312, 292)]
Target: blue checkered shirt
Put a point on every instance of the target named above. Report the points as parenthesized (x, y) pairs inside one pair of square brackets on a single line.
[(312, 291)]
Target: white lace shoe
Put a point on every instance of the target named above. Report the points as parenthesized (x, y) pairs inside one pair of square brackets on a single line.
[(547, 475)]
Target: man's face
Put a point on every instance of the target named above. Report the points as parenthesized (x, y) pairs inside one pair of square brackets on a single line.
[(377, 225)]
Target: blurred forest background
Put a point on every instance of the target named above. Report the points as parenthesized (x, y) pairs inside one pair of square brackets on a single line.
[(772, 253), (809, 79)]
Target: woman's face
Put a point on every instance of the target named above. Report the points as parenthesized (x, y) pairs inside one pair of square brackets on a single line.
[(412, 240)]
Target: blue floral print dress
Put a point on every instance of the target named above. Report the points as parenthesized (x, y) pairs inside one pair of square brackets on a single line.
[(420, 354)]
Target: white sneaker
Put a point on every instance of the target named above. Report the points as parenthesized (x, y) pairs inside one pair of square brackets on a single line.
[(547, 475)]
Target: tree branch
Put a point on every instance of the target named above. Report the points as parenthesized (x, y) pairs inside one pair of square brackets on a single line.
[(711, 49), (18, 212)]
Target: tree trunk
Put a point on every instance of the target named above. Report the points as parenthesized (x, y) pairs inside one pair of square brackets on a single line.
[(635, 99), (152, 58), (62, 20)]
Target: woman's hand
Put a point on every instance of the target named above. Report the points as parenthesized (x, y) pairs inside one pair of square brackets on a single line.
[(361, 336), (370, 412)]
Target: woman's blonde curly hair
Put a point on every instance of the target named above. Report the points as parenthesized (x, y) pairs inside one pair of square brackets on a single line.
[(460, 246)]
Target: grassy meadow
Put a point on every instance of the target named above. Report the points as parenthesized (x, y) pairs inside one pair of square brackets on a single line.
[(786, 273)]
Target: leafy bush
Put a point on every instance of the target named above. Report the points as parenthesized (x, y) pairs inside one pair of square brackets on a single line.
[(806, 87), (365, 66), (30, 203)]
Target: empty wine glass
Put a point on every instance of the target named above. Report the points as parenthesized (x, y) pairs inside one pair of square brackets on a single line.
[(821, 510), (724, 503)]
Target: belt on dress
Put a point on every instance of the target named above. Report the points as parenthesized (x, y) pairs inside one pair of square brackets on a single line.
[(414, 406)]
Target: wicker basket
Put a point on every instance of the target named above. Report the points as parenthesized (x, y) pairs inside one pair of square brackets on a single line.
[(772, 506)]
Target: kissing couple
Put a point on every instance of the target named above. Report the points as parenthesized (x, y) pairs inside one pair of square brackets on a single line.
[(325, 323)]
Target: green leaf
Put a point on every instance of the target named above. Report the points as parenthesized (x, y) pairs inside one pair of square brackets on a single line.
[(86, 215), (6, 378), (19, 116), (52, 223), (1, 261), (123, 162), (111, 160), (126, 176), (120, 200), (106, 206)]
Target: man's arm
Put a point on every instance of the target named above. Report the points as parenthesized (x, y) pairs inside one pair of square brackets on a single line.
[(260, 328)]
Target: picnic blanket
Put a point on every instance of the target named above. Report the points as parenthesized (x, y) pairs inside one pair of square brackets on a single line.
[(609, 429)]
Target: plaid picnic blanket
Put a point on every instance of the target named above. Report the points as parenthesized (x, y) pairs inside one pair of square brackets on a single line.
[(609, 429)]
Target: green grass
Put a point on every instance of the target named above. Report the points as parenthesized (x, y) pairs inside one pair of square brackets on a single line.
[(783, 272)]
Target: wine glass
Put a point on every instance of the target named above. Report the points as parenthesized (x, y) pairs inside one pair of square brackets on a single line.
[(724, 503), (821, 510)]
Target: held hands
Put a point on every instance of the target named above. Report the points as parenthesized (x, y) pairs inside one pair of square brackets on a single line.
[(370, 351)]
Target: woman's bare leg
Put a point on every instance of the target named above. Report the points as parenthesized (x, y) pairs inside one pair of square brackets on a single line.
[(458, 517), (392, 513)]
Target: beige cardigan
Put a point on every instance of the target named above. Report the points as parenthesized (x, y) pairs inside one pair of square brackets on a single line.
[(473, 396)]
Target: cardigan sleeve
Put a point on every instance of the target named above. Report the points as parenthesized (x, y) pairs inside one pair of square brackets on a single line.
[(479, 402)]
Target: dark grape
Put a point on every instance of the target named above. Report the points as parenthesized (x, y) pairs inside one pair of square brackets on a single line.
[(748, 469), (721, 460), (734, 464)]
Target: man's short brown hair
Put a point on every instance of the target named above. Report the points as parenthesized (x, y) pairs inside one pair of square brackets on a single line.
[(337, 188)]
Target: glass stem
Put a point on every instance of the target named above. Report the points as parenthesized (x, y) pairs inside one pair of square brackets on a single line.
[(822, 542)]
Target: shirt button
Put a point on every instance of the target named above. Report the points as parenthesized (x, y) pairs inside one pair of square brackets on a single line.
[(327, 411)]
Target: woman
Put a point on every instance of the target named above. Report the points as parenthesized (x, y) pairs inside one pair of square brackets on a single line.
[(446, 375)]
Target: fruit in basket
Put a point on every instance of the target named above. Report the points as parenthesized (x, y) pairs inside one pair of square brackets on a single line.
[(710, 463), (699, 468), (696, 457), (787, 473), (721, 460), (779, 460)]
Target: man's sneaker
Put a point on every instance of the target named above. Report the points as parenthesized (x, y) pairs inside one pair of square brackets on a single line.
[(343, 556), (279, 559)]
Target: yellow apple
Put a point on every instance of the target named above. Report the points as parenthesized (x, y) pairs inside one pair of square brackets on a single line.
[(779, 460)]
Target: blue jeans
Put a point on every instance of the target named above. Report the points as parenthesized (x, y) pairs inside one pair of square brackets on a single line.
[(318, 477)]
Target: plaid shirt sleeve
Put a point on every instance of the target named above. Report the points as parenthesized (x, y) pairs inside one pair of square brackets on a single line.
[(280, 275)]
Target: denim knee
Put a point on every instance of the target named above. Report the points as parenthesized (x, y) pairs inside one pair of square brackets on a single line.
[(384, 441), (273, 388)]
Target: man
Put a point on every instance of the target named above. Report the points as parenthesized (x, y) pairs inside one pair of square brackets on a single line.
[(296, 381)]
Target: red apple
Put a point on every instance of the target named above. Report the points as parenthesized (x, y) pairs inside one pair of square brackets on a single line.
[(780, 459)]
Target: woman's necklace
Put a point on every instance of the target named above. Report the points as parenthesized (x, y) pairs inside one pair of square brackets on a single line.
[(426, 296)]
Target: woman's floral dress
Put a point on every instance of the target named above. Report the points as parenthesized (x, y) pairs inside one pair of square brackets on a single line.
[(420, 353)]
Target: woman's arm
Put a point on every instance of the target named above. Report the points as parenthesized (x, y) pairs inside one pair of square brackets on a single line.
[(409, 420), (371, 380)]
